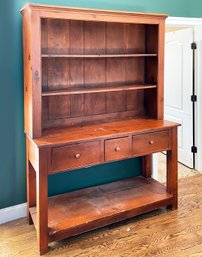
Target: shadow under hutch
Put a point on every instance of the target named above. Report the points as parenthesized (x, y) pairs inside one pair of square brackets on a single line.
[(93, 93)]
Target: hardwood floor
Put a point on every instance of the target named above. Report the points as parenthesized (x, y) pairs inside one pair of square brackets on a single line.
[(183, 171), (162, 233)]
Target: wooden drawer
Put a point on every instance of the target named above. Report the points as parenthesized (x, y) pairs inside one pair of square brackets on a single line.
[(118, 148), (151, 142), (75, 156)]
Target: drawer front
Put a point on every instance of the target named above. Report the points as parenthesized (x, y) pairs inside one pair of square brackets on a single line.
[(118, 148), (151, 142), (75, 156)]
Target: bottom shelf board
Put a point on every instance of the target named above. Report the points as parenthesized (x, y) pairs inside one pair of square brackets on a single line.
[(86, 209)]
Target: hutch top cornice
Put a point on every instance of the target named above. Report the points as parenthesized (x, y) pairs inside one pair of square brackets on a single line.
[(95, 14)]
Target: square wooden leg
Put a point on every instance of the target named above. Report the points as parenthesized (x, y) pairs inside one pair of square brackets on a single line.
[(172, 170), (42, 202), (31, 185), (147, 166)]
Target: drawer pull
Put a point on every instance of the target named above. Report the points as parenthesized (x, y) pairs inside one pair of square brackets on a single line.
[(151, 142), (117, 148), (77, 156)]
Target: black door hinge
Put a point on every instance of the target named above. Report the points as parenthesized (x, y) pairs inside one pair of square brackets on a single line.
[(193, 98), (194, 149), (193, 46)]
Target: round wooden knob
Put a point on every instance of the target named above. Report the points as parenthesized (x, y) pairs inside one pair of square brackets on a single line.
[(117, 148), (77, 156), (151, 142)]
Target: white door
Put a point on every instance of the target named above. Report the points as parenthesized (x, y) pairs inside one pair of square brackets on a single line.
[(178, 88)]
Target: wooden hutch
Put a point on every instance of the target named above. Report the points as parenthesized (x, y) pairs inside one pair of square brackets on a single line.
[(93, 93)]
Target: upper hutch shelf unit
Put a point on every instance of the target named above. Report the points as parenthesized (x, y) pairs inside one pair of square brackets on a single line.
[(93, 93)]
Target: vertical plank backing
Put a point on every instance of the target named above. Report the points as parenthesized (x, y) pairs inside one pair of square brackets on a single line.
[(115, 102), (55, 39), (115, 38), (77, 105), (151, 69), (76, 67), (151, 39), (44, 35), (59, 107), (45, 109), (94, 37), (94, 72), (135, 101), (134, 70), (58, 78), (89, 37), (115, 71), (56, 73), (115, 74), (76, 73), (94, 103), (76, 37), (94, 69), (135, 38), (57, 36)]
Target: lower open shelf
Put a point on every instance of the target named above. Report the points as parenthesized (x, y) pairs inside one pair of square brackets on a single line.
[(86, 209)]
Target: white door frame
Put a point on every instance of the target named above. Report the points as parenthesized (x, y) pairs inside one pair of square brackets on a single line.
[(196, 24)]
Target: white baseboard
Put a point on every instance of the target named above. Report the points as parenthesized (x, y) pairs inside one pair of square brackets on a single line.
[(13, 212)]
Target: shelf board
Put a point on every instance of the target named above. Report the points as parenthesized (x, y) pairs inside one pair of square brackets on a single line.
[(96, 90), (84, 210), (96, 55)]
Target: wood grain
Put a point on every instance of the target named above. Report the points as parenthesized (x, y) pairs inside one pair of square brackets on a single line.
[(97, 55), (63, 136), (92, 57), (73, 54), (151, 142), (76, 155), (42, 201), (116, 88), (86, 209), (118, 148), (172, 169), (164, 233)]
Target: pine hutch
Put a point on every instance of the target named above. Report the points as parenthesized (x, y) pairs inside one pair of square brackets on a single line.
[(93, 93)]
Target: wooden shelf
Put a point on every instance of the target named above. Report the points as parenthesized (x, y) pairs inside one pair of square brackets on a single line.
[(83, 210), (96, 90), (96, 55)]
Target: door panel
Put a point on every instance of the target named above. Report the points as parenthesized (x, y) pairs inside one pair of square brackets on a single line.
[(178, 89)]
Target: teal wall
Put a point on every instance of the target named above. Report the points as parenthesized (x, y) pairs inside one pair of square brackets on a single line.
[(12, 140), (195, 8)]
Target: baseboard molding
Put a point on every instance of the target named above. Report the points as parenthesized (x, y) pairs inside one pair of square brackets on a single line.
[(13, 212)]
